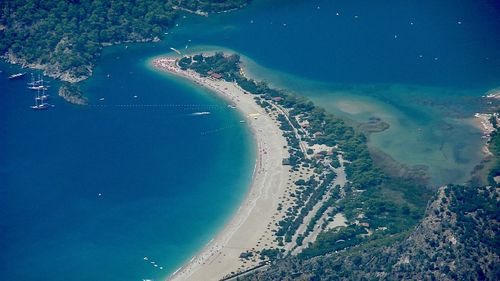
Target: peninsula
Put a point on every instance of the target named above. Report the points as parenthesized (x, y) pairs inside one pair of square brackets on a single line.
[(65, 39)]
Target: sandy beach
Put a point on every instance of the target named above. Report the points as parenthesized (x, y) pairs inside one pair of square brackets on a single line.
[(250, 229)]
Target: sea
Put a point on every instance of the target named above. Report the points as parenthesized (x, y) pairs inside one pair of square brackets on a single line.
[(131, 186)]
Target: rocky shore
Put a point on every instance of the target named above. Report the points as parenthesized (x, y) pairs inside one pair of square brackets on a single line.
[(73, 96)]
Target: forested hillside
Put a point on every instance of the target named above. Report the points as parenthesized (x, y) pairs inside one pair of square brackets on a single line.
[(457, 240), (211, 6), (65, 37)]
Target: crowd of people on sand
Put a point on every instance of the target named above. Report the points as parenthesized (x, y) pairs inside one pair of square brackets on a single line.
[(170, 65), (215, 249)]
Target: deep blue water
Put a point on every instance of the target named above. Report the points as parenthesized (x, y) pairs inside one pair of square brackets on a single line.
[(319, 45), (169, 180)]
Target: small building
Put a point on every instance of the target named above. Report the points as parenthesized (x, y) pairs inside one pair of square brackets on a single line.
[(285, 161), (216, 75), (277, 99), (317, 134)]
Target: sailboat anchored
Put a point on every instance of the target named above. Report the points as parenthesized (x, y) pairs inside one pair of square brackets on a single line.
[(43, 96), (33, 82), (36, 85), (39, 101)]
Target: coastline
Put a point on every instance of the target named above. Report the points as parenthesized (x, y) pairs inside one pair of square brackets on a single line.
[(483, 123), (249, 227)]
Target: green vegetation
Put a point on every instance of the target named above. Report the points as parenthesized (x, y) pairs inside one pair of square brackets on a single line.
[(465, 202), (67, 36), (392, 207), (271, 254), (310, 195), (336, 241), (218, 63)]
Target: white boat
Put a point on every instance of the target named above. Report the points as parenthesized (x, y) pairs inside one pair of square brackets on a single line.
[(36, 88), (201, 113), (17, 76), (40, 106), (175, 50)]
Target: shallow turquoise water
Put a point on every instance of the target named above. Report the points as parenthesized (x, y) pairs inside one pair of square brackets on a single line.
[(170, 180)]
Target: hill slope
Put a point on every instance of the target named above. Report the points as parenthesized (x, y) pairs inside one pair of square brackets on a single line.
[(457, 240)]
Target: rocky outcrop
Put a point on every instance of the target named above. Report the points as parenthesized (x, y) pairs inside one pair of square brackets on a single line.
[(72, 95)]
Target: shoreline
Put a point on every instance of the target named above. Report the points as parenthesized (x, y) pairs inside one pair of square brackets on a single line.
[(483, 123), (246, 229)]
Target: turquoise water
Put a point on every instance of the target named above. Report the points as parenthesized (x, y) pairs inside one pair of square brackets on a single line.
[(169, 180), (422, 66)]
